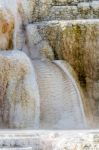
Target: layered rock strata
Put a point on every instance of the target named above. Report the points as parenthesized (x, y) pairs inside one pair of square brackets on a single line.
[(53, 10)]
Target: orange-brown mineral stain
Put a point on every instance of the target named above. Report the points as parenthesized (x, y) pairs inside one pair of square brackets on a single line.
[(6, 29)]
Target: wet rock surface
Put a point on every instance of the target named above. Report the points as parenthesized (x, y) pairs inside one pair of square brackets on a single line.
[(60, 30)]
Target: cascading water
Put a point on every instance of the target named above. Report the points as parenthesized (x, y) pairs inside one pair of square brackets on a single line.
[(41, 91), (58, 104)]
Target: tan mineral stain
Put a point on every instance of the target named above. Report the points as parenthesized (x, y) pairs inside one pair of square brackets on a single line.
[(18, 91), (75, 42), (6, 29)]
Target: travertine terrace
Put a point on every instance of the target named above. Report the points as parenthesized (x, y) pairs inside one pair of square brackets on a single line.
[(49, 68)]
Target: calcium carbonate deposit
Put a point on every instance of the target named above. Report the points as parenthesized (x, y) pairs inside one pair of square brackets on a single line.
[(49, 73), (36, 91)]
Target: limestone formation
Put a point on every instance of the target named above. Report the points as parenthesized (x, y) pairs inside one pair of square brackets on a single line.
[(51, 140), (19, 97), (57, 10), (37, 46), (25, 104), (38, 10), (84, 10), (77, 43), (6, 29), (74, 41), (49, 31)]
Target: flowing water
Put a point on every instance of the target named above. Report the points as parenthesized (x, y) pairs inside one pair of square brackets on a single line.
[(61, 104)]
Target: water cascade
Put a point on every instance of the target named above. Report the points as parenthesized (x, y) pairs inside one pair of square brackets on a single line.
[(39, 85)]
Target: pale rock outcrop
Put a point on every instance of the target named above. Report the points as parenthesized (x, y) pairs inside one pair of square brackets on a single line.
[(19, 96)]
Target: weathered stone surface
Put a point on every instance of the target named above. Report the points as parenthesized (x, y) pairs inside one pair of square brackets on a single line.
[(73, 41), (6, 29), (50, 140), (19, 98), (48, 10), (67, 2), (77, 43), (37, 10), (83, 10), (37, 46)]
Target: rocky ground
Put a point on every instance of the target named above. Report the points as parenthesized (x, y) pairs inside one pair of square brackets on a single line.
[(49, 140)]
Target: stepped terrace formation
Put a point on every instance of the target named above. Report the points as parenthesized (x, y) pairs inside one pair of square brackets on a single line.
[(49, 64)]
